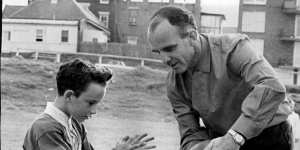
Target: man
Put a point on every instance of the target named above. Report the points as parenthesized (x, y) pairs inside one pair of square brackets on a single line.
[(80, 88), (295, 119), (223, 81)]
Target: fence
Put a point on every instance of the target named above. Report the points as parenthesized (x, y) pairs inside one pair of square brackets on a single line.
[(94, 58), (125, 61)]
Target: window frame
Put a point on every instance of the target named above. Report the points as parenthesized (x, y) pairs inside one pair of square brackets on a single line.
[(8, 37), (135, 38), (243, 28), (297, 23), (132, 18), (39, 37), (104, 14), (62, 39)]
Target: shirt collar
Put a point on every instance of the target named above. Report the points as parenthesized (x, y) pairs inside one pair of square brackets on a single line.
[(201, 60), (57, 114)]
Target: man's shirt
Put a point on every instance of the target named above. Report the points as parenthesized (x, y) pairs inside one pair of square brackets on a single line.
[(228, 86)]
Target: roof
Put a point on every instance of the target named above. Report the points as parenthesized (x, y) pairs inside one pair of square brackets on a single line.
[(44, 9), (10, 9), (213, 14)]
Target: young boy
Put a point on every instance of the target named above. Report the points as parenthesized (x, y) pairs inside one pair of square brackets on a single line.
[(80, 88)]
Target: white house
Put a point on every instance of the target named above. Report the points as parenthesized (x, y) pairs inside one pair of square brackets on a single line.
[(50, 25)]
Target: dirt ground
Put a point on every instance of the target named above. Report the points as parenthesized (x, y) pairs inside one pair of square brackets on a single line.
[(135, 103)]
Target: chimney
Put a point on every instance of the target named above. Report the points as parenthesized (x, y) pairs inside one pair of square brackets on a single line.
[(30, 1), (54, 1)]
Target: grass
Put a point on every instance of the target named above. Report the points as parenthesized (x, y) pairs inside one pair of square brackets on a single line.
[(135, 102)]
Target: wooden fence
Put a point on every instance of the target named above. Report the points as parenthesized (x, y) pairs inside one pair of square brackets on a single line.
[(94, 58), (125, 61)]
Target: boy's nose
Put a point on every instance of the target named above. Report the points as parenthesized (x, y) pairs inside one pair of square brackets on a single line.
[(93, 111)]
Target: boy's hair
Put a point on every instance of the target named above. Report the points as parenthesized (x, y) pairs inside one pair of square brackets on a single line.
[(76, 75), (176, 16)]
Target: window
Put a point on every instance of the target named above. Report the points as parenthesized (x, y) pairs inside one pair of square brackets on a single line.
[(158, 1), (64, 36), (133, 13), (185, 1), (297, 30), (6, 35), (253, 21), (104, 17), (95, 40), (210, 24), (255, 2), (39, 35), (132, 40), (258, 44), (104, 1)]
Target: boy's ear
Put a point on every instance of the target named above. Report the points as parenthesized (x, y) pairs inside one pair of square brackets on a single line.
[(68, 94)]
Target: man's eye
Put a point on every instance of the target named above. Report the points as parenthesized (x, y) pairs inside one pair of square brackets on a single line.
[(169, 48)]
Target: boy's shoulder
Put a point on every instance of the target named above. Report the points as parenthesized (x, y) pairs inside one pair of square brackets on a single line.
[(45, 124)]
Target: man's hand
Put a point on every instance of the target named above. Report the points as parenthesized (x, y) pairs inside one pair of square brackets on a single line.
[(200, 146), (225, 142), (138, 142)]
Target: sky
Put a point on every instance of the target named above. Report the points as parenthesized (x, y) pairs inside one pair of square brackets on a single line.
[(227, 7)]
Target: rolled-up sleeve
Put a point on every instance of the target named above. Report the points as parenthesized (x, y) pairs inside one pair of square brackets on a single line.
[(188, 121), (261, 104)]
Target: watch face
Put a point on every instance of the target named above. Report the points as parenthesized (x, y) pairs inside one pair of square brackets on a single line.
[(239, 139)]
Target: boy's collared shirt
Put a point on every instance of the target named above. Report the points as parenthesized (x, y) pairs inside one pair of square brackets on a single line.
[(66, 121)]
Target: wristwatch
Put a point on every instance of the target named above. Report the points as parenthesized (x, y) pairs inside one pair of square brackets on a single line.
[(238, 138)]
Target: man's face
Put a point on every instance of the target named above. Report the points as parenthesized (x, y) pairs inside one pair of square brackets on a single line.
[(84, 106), (176, 51)]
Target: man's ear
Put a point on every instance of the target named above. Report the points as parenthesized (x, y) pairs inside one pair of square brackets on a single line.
[(68, 95)]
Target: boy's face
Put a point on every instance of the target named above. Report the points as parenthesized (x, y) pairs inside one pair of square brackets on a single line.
[(84, 106)]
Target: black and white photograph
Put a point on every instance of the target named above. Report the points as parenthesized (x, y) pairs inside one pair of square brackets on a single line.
[(150, 75)]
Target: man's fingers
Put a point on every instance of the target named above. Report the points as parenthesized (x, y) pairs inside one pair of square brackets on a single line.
[(148, 139)]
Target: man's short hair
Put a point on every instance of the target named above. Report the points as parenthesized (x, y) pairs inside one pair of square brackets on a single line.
[(77, 74), (176, 16)]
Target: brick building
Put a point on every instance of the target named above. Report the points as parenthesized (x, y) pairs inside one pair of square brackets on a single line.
[(274, 26), (128, 19)]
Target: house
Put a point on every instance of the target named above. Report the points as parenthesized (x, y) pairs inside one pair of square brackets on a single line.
[(211, 23), (50, 25), (274, 26), (128, 19)]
